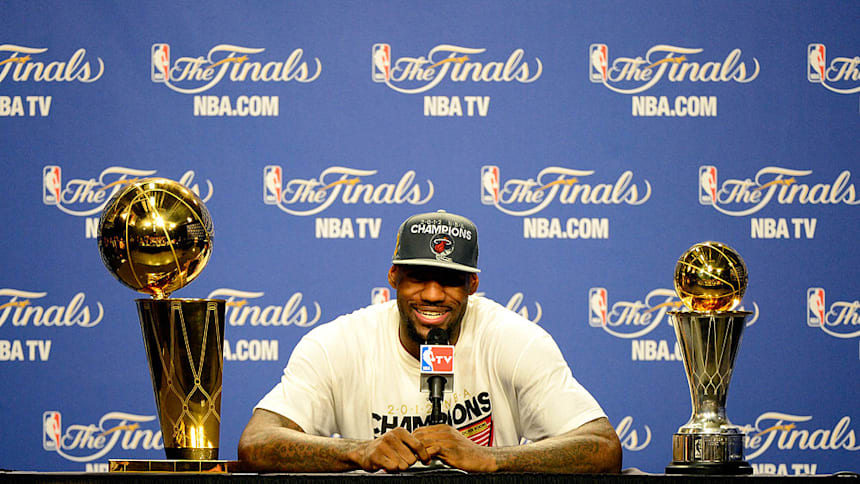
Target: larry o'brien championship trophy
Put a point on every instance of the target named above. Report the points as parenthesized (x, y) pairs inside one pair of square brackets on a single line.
[(155, 236), (710, 279)]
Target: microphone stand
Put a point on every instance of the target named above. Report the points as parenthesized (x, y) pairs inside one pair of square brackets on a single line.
[(437, 386)]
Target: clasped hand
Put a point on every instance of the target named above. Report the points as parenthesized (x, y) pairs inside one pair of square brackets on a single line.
[(398, 449)]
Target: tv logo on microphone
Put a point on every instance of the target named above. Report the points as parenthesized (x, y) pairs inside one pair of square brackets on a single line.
[(437, 359)]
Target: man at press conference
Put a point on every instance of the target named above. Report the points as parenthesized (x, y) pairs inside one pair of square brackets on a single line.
[(351, 394)]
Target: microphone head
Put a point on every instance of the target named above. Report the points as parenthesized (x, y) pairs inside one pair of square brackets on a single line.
[(437, 336)]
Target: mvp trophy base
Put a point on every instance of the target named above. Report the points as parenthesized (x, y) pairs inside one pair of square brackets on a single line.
[(708, 454), (193, 466), (710, 468)]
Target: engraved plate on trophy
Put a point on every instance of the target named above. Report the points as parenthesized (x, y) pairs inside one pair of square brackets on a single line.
[(710, 278), (155, 236)]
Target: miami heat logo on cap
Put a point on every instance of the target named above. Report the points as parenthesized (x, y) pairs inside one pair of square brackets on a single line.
[(442, 246)]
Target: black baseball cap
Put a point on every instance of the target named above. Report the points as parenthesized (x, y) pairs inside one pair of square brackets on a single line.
[(438, 239)]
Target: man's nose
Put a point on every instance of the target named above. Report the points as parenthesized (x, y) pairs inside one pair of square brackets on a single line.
[(432, 292)]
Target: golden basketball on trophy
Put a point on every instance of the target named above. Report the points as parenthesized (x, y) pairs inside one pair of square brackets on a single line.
[(155, 236), (710, 276)]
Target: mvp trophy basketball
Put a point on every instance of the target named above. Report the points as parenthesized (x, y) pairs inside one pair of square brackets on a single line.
[(155, 236), (710, 279)]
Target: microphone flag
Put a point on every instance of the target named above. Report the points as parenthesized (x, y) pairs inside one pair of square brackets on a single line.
[(437, 359)]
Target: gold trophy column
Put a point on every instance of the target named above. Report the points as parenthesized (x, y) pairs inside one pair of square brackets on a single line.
[(184, 345)]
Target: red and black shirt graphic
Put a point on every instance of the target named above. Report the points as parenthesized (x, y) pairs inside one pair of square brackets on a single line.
[(472, 417)]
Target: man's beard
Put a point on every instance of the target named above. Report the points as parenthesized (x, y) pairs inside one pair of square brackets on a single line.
[(413, 334)]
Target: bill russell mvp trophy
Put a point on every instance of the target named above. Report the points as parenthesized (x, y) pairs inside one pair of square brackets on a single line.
[(155, 236), (710, 279)]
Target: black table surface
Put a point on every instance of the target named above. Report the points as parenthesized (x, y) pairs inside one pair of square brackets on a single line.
[(627, 477)]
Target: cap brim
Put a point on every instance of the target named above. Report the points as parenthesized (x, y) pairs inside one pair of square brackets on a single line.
[(436, 263)]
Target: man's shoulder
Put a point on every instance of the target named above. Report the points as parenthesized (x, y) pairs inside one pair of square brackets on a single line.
[(489, 316), (502, 338)]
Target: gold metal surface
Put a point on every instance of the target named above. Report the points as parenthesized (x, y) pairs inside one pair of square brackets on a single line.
[(155, 236), (710, 276), (184, 345), (174, 466)]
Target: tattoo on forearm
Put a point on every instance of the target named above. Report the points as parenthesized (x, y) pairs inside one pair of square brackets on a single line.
[(583, 456), (297, 456)]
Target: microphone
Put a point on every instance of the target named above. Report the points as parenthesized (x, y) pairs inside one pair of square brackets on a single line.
[(437, 370)]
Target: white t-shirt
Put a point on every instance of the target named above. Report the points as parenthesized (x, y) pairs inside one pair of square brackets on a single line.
[(352, 377)]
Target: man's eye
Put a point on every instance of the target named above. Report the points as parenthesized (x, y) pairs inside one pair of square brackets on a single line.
[(447, 280), (452, 281)]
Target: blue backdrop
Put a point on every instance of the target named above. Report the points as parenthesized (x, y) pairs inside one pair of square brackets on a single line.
[(591, 142)]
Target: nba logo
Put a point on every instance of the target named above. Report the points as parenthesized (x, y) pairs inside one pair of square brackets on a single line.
[(815, 55), (379, 295), (381, 65), (51, 425), (437, 359), (51, 183), (272, 185), (597, 307), (598, 61), (815, 307), (707, 185), (489, 185), (160, 62)]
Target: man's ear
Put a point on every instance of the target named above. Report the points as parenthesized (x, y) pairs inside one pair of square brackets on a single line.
[(392, 276), (473, 283)]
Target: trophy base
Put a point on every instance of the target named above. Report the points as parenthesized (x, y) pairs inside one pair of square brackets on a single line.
[(174, 465), (709, 468), (709, 454), (191, 453)]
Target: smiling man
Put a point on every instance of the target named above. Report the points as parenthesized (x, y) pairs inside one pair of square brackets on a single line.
[(358, 378)]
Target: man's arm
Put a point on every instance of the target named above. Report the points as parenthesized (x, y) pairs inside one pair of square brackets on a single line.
[(273, 443), (591, 448)]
